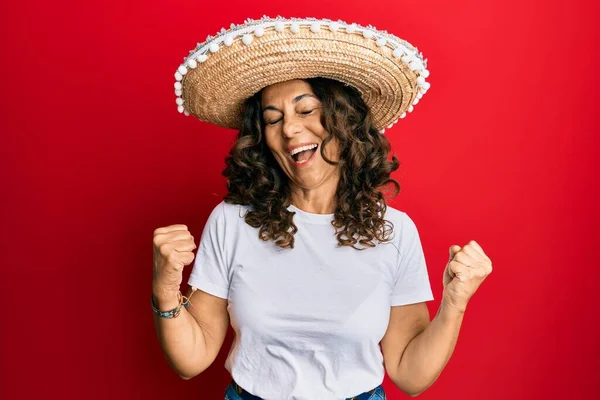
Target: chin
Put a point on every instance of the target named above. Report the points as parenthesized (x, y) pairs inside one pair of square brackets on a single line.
[(308, 181)]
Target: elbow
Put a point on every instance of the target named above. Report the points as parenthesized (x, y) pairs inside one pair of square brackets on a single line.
[(186, 376), (410, 388), (414, 394), (411, 391), (187, 373)]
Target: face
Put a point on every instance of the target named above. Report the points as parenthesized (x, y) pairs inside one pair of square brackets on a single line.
[(294, 134)]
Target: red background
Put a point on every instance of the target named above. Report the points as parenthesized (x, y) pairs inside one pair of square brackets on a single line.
[(502, 149)]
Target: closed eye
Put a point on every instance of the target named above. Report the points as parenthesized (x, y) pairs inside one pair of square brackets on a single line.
[(303, 112)]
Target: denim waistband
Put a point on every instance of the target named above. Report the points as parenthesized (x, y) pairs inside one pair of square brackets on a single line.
[(236, 392)]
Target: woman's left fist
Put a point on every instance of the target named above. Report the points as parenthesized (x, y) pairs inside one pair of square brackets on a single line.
[(466, 269)]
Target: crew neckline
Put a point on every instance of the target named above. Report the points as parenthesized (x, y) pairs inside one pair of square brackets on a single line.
[(310, 217)]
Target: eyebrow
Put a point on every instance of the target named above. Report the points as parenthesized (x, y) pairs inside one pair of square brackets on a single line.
[(295, 100)]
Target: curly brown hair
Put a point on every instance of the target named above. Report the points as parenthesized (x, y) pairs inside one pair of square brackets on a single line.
[(255, 179)]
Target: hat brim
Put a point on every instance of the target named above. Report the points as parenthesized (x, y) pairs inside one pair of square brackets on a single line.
[(216, 89)]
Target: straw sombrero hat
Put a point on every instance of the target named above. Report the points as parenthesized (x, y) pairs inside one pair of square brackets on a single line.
[(220, 74)]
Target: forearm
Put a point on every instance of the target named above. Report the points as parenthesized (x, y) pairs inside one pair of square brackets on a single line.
[(181, 338), (428, 353)]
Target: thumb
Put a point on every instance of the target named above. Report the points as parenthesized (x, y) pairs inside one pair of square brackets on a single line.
[(453, 250)]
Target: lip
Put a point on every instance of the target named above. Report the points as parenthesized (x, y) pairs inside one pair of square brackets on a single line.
[(307, 162), (289, 149)]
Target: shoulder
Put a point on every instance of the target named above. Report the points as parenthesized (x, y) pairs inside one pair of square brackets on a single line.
[(227, 213), (403, 224), (397, 217)]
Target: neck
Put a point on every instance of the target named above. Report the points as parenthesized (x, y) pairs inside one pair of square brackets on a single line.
[(319, 200)]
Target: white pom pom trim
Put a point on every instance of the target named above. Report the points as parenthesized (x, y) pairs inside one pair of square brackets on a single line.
[(250, 28), (247, 39)]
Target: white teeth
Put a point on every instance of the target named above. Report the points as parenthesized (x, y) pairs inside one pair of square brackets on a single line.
[(303, 148)]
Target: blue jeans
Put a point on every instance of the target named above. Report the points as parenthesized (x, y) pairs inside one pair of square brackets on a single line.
[(233, 393)]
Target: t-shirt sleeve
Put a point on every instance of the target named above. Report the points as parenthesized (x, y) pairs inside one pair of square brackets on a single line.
[(412, 280), (210, 271)]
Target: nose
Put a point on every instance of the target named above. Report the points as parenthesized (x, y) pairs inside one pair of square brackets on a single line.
[(291, 126)]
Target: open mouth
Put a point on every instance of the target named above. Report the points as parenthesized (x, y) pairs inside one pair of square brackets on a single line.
[(304, 153)]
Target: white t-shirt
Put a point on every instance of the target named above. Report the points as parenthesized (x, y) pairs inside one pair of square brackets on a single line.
[(308, 320)]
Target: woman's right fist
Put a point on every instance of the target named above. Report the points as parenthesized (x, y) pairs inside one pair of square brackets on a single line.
[(173, 247)]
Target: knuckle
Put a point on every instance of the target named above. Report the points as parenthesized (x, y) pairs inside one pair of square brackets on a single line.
[(460, 256), (164, 249), (159, 230), (172, 257), (157, 238)]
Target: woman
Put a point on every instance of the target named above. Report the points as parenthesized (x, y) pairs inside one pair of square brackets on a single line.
[(304, 258)]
